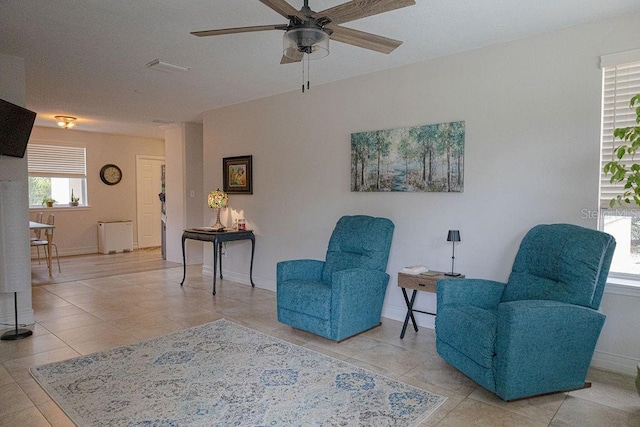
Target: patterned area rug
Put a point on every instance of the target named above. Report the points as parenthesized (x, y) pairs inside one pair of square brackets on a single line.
[(223, 374)]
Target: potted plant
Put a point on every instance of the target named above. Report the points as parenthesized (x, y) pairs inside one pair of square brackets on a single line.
[(48, 201), (619, 171), (74, 199)]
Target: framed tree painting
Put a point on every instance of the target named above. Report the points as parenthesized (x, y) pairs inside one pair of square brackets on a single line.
[(237, 175), (427, 158)]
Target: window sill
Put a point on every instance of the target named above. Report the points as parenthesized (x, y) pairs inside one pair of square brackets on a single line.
[(623, 286), (60, 208)]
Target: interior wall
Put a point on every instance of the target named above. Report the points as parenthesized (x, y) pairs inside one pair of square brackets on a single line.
[(175, 189), (184, 189), (532, 113), (13, 89), (77, 227), (194, 192)]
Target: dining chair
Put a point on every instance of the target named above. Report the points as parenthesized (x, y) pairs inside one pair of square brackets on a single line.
[(44, 242), (37, 235)]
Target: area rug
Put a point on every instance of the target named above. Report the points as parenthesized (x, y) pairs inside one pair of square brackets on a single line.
[(224, 374)]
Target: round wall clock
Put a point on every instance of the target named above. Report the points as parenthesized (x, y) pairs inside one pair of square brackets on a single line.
[(110, 174)]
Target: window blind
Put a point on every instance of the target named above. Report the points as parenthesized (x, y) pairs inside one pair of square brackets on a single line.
[(56, 161), (620, 83)]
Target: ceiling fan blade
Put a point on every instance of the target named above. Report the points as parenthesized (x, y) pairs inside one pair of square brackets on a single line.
[(238, 30), (283, 8), (356, 9), (362, 39), (287, 60)]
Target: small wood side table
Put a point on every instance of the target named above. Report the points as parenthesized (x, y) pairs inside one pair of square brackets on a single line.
[(425, 282)]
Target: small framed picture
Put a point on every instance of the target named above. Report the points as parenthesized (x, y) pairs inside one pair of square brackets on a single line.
[(237, 177)]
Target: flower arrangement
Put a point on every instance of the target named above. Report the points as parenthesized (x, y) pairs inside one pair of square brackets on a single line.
[(74, 199), (218, 199)]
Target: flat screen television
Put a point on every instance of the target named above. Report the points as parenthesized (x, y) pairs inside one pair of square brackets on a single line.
[(16, 124)]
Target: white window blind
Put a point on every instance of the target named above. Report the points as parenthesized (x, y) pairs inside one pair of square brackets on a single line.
[(56, 161), (620, 83)]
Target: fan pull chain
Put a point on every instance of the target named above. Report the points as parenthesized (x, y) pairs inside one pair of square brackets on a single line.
[(308, 72)]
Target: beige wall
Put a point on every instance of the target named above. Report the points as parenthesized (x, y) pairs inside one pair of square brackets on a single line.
[(532, 112), (77, 227)]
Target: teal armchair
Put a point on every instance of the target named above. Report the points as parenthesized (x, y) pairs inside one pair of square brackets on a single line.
[(535, 334), (343, 295)]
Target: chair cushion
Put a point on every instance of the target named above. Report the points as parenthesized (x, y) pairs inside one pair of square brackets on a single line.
[(306, 297), (560, 262), (470, 330), (358, 241)]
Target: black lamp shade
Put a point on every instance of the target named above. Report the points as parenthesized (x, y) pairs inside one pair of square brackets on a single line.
[(453, 236)]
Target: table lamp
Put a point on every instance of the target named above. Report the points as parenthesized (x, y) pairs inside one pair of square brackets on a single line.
[(453, 237), (217, 200)]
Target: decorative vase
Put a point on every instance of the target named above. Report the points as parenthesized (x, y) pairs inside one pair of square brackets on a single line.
[(74, 203), (218, 225)]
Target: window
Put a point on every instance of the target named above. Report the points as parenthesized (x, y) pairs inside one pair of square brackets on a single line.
[(57, 172), (621, 81)]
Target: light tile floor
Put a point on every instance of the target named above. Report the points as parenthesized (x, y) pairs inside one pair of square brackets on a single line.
[(86, 316)]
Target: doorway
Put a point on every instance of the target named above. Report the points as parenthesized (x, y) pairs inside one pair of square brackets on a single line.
[(148, 186)]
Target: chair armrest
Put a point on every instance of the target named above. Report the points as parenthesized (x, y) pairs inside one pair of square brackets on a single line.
[(356, 294), (477, 292), (349, 285), (539, 321), (538, 339), (300, 269)]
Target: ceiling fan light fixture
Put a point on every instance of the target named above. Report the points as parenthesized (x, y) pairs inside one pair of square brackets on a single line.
[(65, 122), (312, 41)]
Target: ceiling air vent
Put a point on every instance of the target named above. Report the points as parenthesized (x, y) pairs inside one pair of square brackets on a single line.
[(159, 65)]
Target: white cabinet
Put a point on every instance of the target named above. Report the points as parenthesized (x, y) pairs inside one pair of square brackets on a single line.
[(115, 236)]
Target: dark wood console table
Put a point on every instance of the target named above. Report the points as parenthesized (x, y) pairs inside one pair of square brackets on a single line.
[(217, 238)]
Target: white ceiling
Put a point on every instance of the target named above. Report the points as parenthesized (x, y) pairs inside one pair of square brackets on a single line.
[(88, 58)]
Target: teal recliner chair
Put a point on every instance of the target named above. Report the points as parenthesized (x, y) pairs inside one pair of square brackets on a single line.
[(535, 334), (343, 295)]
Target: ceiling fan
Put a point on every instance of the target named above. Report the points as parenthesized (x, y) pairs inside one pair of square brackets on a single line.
[(308, 32)]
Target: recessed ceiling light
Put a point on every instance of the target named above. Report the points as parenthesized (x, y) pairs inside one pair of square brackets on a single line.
[(159, 65)]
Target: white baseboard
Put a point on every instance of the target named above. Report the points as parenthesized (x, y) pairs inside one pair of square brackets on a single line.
[(87, 250), (78, 251), (601, 360), (67, 252), (395, 312), (615, 363), (242, 278), (606, 361)]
